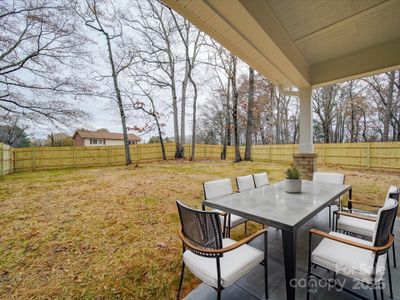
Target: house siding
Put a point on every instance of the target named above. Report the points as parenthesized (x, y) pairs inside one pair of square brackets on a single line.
[(78, 140), (108, 143)]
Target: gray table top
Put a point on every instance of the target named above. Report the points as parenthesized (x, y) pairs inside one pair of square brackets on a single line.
[(271, 205)]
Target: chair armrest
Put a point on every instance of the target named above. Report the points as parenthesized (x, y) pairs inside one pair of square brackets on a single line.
[(364, 203), (222, 213), (353, 243), (222, 250), (355, 215)]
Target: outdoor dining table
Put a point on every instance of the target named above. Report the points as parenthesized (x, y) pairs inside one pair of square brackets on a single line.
[(271, 205)]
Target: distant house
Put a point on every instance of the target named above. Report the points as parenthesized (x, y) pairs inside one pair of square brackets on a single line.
[(102, 138)]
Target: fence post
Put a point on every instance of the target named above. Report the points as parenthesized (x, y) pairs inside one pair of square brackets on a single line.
[(109, 155), (137, 154), (73, 157), (12, 157), (368, 155), (33, 159), (269, 152), (1, 160)]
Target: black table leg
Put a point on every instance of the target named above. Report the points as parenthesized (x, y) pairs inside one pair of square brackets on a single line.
[(350, 205), (289, 240)]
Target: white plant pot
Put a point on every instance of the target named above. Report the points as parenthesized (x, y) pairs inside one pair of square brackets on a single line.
[(293, 186)]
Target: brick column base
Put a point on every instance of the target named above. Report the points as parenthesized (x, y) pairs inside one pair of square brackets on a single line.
[(306, 163)]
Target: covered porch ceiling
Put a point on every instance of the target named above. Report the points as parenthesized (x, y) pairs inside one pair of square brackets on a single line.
[(303, 43)]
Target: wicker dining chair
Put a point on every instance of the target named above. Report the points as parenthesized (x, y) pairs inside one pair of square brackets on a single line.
[(356, 258), (217, 189), (245, 183), (362, 222), (260, 179), (336, 178), (215, 260)]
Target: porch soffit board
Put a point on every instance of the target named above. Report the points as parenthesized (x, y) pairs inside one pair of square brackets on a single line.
[(306, 17), (367, 28), (360, 39), (366, 62), (229, 23)]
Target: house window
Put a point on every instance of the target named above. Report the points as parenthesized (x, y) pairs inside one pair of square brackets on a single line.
[(97, 142)]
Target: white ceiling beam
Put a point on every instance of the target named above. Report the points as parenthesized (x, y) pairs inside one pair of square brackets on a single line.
[(293, 61), (367, 62)]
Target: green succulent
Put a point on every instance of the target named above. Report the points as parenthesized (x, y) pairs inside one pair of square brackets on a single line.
[(292, 173)]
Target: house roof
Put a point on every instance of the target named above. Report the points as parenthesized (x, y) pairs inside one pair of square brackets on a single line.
[(303, 43), (86, 134)]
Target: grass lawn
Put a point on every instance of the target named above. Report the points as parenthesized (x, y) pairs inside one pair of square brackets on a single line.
[(112, 232)]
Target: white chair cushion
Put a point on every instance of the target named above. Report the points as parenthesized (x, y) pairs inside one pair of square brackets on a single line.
[(217, 188), (392, 189), (245, 183), (235, 220), (336, 178), (260, 179), (363, 227), (348, 260), (234, 264)]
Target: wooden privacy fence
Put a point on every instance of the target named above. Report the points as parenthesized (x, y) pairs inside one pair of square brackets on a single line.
[(41, 158), (380, 156), (6, 159)]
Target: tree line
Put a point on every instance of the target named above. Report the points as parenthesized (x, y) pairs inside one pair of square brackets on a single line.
[(158, 71)]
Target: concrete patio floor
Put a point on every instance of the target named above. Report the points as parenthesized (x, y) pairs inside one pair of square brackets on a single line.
[(251, 286)]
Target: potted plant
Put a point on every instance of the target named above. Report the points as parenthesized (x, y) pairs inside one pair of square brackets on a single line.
[(293, 181)]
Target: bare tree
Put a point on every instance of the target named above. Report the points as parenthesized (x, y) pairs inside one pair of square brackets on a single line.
[(249, 129), (140, 101), (220, 60), (14, 134), (235, 98), (37, 39), (96, 19), (184, 29), (324, 107), (383, 87), (156, 52), (389, 104)]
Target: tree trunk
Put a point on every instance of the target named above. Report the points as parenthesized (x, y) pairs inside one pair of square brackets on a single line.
[(183, 106), (227, 136), (178, 149), (278, 120), (128, 159), (192, 156), (249, 130), (238, 158), (161, 138), (388, 109)]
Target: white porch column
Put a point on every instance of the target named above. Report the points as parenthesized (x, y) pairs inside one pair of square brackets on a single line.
[(306, 121), (306, 159)]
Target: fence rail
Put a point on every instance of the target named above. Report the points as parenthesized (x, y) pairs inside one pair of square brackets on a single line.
[(380, 156)]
